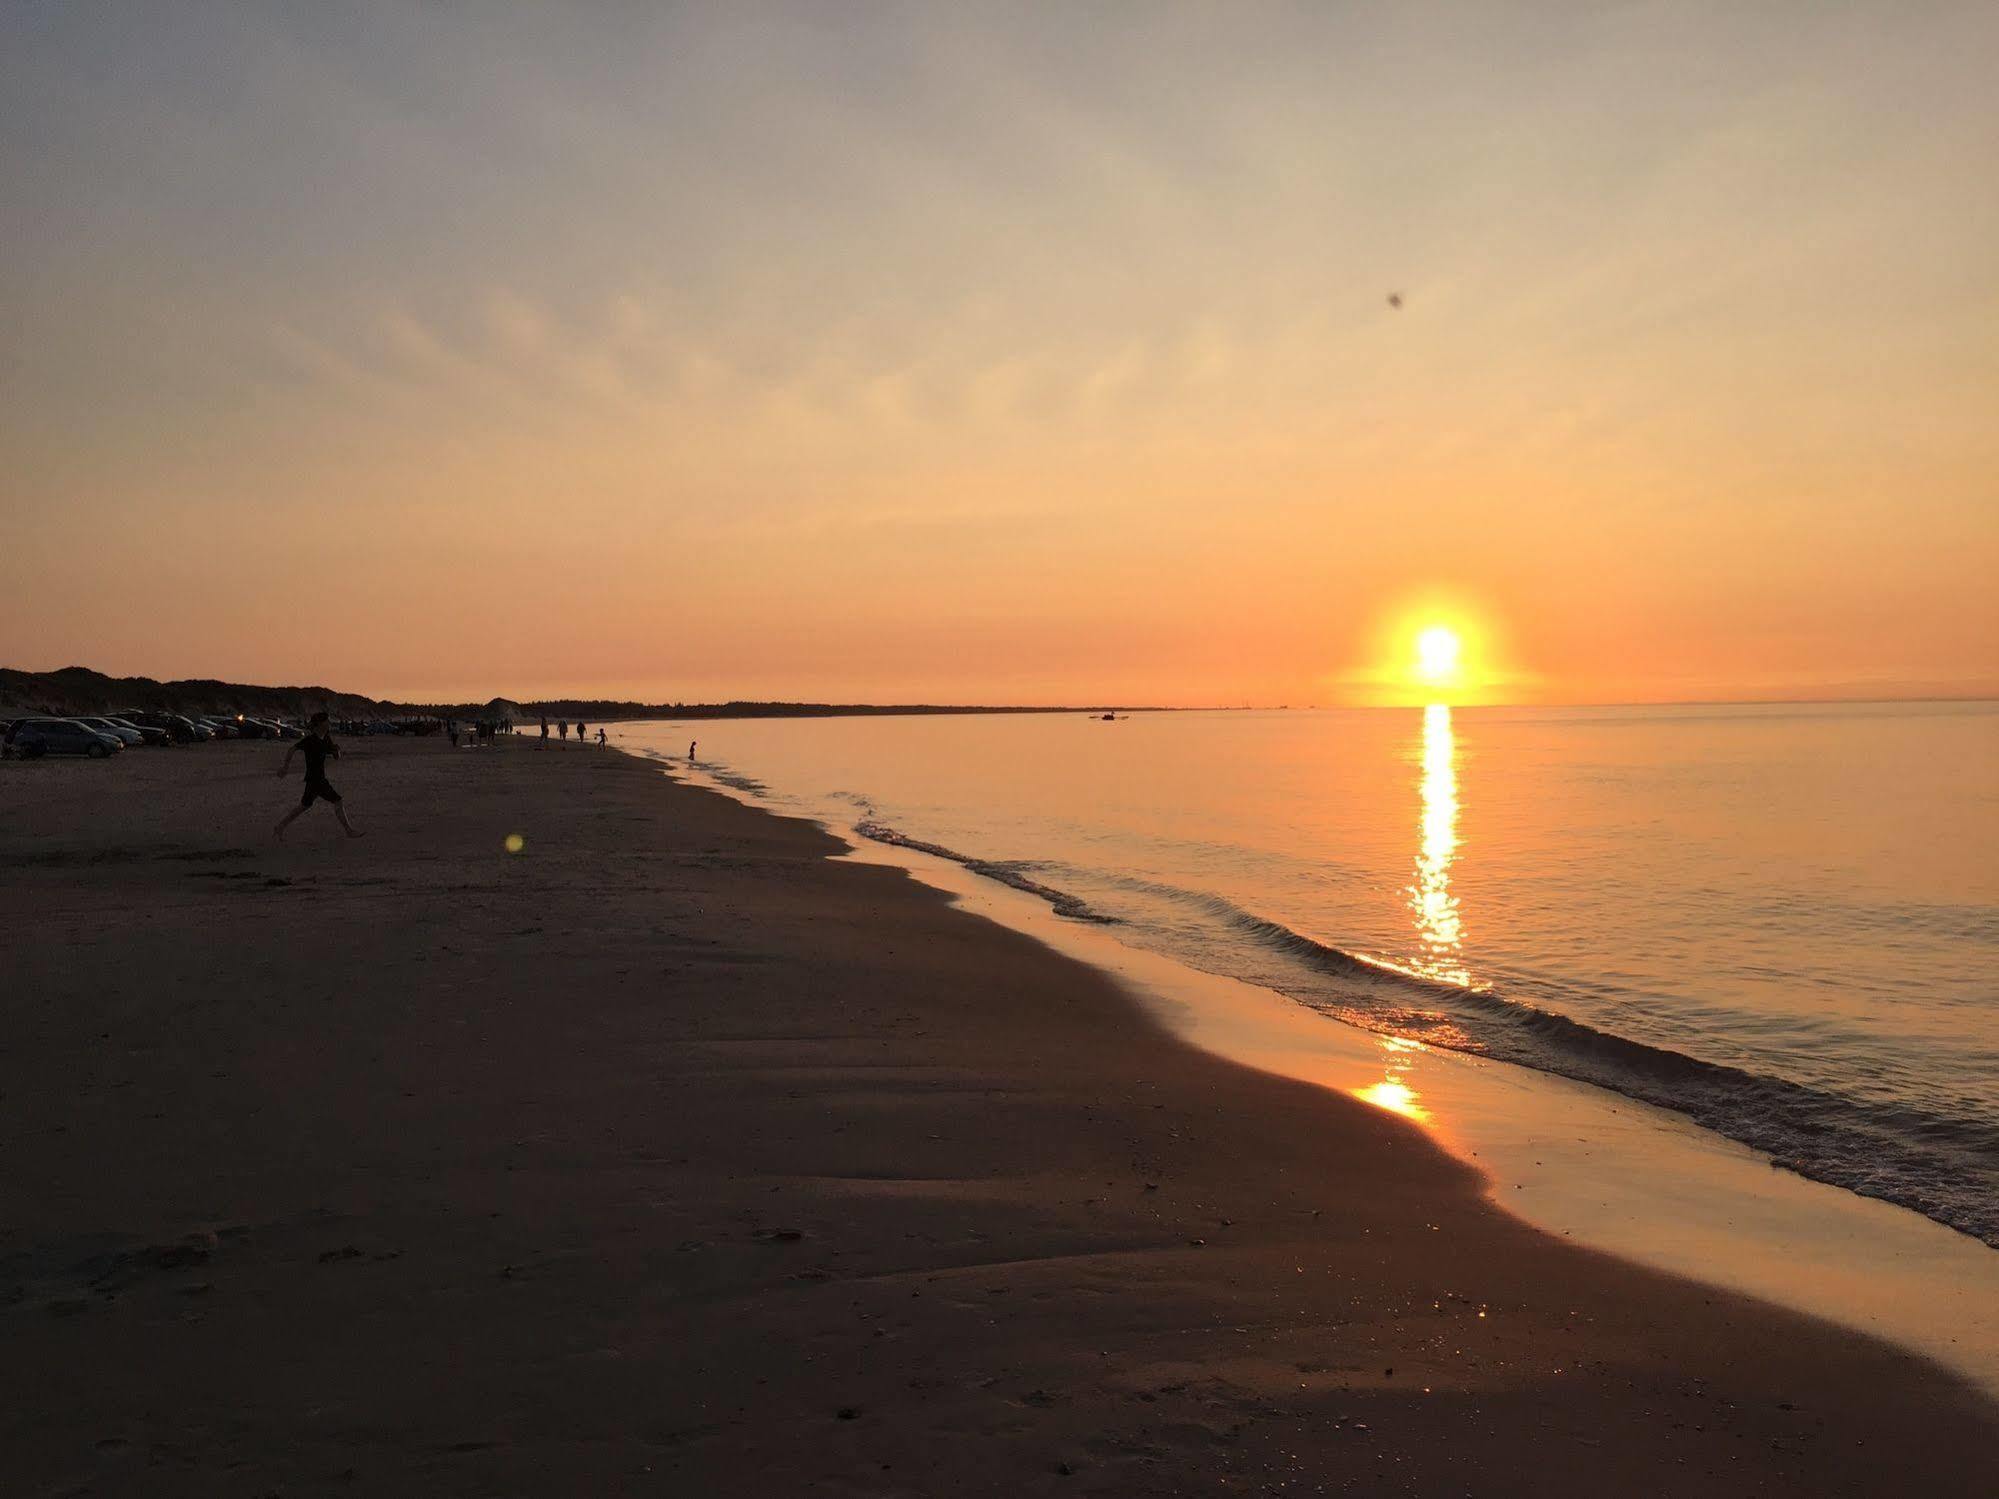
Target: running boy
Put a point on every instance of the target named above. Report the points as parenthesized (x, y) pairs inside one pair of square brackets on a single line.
[(317, 744)]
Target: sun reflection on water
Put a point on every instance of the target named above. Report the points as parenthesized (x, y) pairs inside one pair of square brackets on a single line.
[(1394, 1092), (1439, 930), (1396, 1097)]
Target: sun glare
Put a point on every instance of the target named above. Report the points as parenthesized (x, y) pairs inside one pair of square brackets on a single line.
[(1438, 653), (1432, 648), (1435, 647)]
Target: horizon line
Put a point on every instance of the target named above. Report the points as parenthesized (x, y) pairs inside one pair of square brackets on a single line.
[(667, 710)]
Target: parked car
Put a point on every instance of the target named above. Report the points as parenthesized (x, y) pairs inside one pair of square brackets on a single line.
[(31, 738), (180, 729), (220, 727), (148, 733), (251, 728), (122, 733)]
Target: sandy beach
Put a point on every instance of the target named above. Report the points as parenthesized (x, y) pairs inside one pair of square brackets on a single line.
[(672, 1155)]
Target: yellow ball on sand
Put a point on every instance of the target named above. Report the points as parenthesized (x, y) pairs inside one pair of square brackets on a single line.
[(515, 843)]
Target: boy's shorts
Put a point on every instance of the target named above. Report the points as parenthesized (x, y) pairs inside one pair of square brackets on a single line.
[(323, 790)]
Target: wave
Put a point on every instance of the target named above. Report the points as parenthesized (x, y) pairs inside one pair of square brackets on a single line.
[(1931, 1163), (1934, 1164), (748, 785), (1005, 871)]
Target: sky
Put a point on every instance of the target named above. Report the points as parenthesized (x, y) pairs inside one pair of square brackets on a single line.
[(1003, 354)]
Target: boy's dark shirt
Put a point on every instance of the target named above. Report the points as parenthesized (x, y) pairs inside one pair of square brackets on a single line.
[(316, 751)]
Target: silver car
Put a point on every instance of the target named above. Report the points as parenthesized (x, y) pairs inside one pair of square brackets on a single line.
[(125, 734)]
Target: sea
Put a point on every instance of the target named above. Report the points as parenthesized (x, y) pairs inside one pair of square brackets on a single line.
[(1779, 921)]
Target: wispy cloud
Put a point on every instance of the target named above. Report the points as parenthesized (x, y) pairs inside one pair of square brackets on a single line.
[(1025, 307)]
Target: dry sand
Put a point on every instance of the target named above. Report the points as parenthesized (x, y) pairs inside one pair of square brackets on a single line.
[(673, 1157)]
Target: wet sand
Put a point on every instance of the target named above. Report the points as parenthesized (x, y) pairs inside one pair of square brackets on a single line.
[(671, 1156)]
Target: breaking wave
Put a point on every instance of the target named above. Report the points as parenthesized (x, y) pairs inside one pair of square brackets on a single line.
[(1006, 871)]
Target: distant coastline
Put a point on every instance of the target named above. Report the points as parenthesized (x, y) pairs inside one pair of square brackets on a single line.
[(78, 689)]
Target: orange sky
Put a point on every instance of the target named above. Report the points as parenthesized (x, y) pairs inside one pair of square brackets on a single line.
[(974, 354)]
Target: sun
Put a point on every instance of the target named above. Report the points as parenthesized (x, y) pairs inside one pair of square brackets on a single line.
[(1433, 647), (1438, 653)]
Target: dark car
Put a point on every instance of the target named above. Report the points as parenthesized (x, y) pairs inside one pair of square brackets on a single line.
[(148, 733), (220, 727), (178, 728), (32, 738)]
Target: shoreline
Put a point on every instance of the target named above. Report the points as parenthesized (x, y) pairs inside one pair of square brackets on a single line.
[(1572, 1158), (1615, 1173), (681, 1151)]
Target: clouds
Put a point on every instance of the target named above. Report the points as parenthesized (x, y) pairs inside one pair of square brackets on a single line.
[(854, 280)]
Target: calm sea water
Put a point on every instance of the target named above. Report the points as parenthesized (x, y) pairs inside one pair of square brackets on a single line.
[(1780, 921)]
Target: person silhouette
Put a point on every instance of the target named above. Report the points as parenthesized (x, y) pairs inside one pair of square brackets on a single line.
[(544, 731), (318, 747), (690, 752), (562, 730), (579, 731), (601, 740)]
